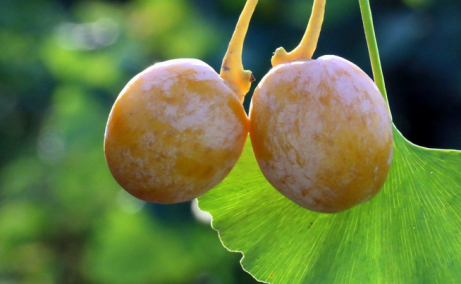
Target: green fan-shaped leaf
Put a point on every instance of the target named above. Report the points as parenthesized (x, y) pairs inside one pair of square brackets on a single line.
[(409, 233)]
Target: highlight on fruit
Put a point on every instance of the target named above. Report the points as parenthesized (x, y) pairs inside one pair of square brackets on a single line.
[(178, 128), (320, 129)]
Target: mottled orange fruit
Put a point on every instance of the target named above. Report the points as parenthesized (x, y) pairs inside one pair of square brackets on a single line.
[(322, 133), (175, 132)]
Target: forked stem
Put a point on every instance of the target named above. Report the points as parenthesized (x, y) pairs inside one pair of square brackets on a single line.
[(306, 48), (232, 70)]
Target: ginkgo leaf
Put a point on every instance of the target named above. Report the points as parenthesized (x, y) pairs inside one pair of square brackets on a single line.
[(409, 233)]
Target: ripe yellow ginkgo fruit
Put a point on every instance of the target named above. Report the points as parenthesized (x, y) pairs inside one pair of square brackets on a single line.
[(320, 129), (178, 128)]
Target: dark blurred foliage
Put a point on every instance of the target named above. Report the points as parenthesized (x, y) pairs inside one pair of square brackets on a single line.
[(63, 219)]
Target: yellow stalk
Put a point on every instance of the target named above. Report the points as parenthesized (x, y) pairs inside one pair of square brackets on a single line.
[(232, 71), (306, 48)]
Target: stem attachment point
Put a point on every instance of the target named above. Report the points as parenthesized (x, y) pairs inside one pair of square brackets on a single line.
[(306, 48), (232, 72)]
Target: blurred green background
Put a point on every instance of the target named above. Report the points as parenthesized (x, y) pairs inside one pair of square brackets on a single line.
[(63, 219)]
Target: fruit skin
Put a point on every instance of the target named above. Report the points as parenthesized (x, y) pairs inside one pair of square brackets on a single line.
[(322, 133), (175, 131)]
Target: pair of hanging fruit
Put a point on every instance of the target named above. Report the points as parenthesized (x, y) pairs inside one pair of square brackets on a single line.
[(320, 129)]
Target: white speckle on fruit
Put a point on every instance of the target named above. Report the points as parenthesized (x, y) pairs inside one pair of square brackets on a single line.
[(389, 161), (170, 110), (366, 106)]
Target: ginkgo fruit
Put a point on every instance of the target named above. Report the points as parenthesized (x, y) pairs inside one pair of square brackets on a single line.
[(178, 128), (321, 130)]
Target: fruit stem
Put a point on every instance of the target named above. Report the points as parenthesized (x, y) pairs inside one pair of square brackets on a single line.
[(373, 47), (232, 71), (306, 48)]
